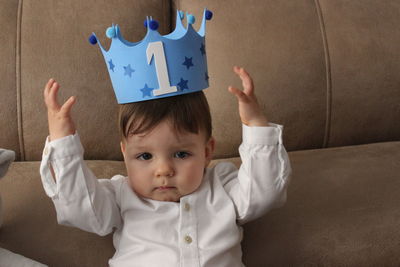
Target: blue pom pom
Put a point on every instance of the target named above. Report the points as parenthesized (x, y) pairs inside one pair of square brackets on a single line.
[(153, 24), (145, 23), (92, 39), (181, 14), (209, 15), (191, 19), (111, 32)]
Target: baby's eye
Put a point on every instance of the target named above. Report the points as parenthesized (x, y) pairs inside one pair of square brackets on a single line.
[(182, 154), (144, 156)]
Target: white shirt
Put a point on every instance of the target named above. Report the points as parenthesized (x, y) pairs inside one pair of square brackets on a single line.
[(203, 229)]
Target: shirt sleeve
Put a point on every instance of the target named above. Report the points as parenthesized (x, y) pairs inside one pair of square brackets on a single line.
[(261, 182), (80, 199)]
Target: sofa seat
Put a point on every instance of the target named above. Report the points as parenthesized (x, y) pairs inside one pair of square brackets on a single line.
[(342, 210)]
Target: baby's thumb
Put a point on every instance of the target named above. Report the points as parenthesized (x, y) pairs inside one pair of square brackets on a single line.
[(238, 93), (66, 108)]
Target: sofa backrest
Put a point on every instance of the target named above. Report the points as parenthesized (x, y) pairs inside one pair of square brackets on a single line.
[(326, 70)]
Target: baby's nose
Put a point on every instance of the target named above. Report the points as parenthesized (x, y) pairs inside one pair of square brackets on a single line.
[(165, 169)]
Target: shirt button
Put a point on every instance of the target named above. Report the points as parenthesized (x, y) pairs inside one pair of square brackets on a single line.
[(187, 207), (188, 239)]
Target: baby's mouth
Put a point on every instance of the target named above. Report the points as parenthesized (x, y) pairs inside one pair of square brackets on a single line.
[(164, 188)]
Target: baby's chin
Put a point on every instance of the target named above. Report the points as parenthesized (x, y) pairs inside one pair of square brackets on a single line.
[(173, 195), (166, 196), (158, 196)]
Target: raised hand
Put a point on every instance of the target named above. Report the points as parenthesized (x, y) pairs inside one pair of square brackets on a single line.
[(59, 117), (249, 109)]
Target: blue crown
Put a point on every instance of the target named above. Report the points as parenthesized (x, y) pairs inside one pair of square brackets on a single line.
[(158, 66)]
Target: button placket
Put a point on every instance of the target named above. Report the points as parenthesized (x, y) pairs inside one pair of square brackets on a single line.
[(188, 233), (187, 222)]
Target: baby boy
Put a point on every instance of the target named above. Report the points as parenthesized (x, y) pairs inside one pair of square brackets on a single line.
[(171, 209)]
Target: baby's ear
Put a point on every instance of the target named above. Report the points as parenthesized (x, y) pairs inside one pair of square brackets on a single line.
[(210, 149), (122, 144)]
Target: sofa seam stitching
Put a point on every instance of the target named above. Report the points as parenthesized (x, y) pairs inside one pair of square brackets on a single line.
[(328, 75), (18, 80)]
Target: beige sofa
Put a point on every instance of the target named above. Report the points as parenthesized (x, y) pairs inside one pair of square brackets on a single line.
[(327, 70)]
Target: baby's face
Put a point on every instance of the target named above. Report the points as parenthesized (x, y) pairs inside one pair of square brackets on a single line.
[(165, 166)]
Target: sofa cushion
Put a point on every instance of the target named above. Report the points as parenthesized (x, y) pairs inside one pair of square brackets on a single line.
[(342, 210), (362, 38)]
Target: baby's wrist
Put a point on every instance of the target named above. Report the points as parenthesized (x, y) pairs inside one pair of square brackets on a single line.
[(61, 132), (257, 122), (53, 137)]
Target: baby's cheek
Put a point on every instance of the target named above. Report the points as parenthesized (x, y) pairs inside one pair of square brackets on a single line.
[(136, 184), (194, 180)]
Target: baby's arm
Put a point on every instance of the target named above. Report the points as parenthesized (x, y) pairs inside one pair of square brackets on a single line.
[(80, 199), (261, 182), (58, 117)]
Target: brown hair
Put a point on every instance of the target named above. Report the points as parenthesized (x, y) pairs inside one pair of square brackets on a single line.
[(187, 113)]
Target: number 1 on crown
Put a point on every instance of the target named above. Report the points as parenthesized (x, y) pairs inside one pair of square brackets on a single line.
[(156, 49)]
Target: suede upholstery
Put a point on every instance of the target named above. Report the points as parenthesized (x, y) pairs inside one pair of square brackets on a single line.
[(326, 70)]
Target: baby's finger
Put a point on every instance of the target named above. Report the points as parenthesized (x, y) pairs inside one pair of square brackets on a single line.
[(49, 83), (247, 81), (47, 87), (66, 108), (238, 93), (52, 96)]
